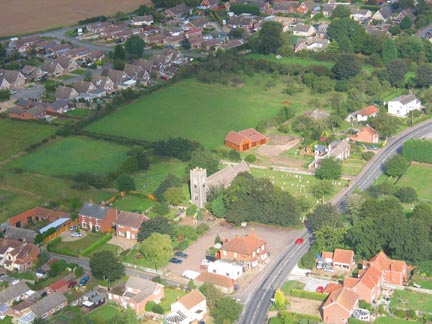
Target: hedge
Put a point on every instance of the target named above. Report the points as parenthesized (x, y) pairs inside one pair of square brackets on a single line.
[(418, 150), (308, 294), (52, 247), (96, 244)]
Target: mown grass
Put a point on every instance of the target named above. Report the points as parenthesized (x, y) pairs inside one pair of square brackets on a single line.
[(133, 203), (171, 296), (412, 176), (81, 244), (407, 299), (73, 155), (105, 313), (392, 320)]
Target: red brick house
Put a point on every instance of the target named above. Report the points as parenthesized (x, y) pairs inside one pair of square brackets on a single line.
[(249, 250), (128, 224), (392, 271), (36, 215), (27, 114), (245, 139), (305, 7), (340, 258), (99, 218), (60, 286), (366, 135), (339, 306)]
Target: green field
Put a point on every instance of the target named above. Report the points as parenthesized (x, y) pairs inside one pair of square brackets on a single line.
[(15, 136), (392, 320), (291, 60), (105, 313), (133, 203), (411, 178), (407, 299), (72, 155), (203, 112)]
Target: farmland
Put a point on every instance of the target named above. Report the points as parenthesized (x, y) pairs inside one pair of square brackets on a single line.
[(45, 14), (412, 176), (73, 155), (203, 112)]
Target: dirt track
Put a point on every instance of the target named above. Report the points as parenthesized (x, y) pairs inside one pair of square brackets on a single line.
[(25, 16)]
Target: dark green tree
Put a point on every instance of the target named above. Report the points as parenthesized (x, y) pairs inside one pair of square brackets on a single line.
[(389, 51), (341, 28), (269, 38), (134, 47), (204, 159), (396, 71), (237, 33), (323, 216), (404, 4), (186, 44), (227, 310), (346, 67), (212, 294), (125, 183), (4, 95), (157, 224), (406, 23), (406, 194), (385, 124), (341, 11), (424, 76), (396, 166), (170, 181), (329, 168), (105, 265), (412, 48), (119, 57)]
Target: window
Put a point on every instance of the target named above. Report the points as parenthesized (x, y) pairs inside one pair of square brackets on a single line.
[(83, 225), (224, 253), (253, 254), (214, 270), (97, 228), (235, 255)]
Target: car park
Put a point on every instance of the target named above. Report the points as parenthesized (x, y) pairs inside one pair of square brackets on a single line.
[(299, 241), (175, 260), (181, 254)]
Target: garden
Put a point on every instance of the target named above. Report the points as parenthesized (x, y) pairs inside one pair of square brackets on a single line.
[(411, 178), (407, 299)]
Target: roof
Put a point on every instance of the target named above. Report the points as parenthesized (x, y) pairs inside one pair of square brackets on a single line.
[(405, 99), (192, 299), (63, 92), (225, 176), (368, 111), (365, 134), (58, 284), (344, 297), (235, 138), (252, 134), (343, 256), (13, 291), (58, 104), (131, 219), (332, 287), (142, 18), (23, 305), (54, 224), (326, 255), (95, 211), (23, 251), (48, 303), (146, 287), (383, 263), (338, 148), (243, 245), (370, 277), (215, 279), (302, 28), (17, 233), (83, 86)]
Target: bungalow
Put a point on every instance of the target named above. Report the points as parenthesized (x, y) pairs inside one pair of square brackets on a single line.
[(83, 87), (403, 105), (32, 72), (128, 224), (65, 93), (15, 78), (249, 250), (245, 140), (76, 53), (104, 82), (187, 309), (285, 7), (52, 68), (366, 135), (339, 306), (193, 32), (231, 270), (60, 286), (234, 43), (245, 22), (4, 84), (360, 14), (15, 292), (95, 56), (59, 49), (22, 308), (340, 150), (67, 64), (142, 20), (384, 14), (99, 218), (136, 293), (315, 44), (178, 11), (16, 255), (27, 114), (224, 284), (327, 9), (57, 107), (306, 7), (366, 113), (49, 305), (343, 259), (303, 30), (116, 76)]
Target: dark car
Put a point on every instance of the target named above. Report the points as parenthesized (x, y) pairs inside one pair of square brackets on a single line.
[(72, 284), (181, 254), (175, 260)]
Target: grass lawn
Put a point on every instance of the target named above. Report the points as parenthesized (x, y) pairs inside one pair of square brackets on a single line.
[(291, 284), (7, 320), (105, 313), (411, 300), (292, 60), (81, 244), (352, 166), (133, 203), (15, 136), (392, 320), (392, 93), (106, 247), (426, 284), (66, 77), (79, 72), (171, 296), (72, 155), (204, 112), (412, 176), (79, 112)]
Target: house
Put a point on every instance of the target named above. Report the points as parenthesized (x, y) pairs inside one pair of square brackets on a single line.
[(231, 270), (22, 308), (364, 114), (4, 84), (117, 77), (128, 224), (137, 293), (15, 292), (32, 72), (65, 93), (60, 286), (245, 140), (27, 114), (83, 87), (367, 135), (367, 286), (249, 250), (340, 150), (21, 234), (67, 64), (36, 214), (392, 271), (384, 14), (187, 309), (57, 107), (408, 12), (92, 300), (224, 284), (315, 44), (209, 4), (16, 255), (403, 105), (178, 11), (142, 20), (306, 7), (105, 83), (339, 306), (49, 305), (303, 30), (99, 218), (15, 78), (234, 43), (76, 54), (284, 7), (360, 14), (95, 56), (245, 22), (52, 68), (327, 9), (343, 259), (58, 49)]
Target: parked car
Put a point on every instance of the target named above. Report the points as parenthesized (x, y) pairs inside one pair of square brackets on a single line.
[(76, 234), (299, 241), (72, 284), (320, 289), (84, 280), (175, 260), (181, 254)]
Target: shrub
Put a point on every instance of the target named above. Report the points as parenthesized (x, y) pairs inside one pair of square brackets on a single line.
[(250, 158), (96, 244), (234, 155), (190, 211), (156, 308), (308, 294), (183, 245), (367, 156), (202, 228), (79, 271)]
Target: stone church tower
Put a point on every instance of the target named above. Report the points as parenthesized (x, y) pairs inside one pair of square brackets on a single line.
[(198, 187)]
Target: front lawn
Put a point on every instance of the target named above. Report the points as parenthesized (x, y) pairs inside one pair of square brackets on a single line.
[(106, 247), (79, 245), (425, 284), (412, 176), (408, 299), (79, 112), (73, 155), (105, 313), (79, 72), (291, 284), (171, 296), (291, 60)]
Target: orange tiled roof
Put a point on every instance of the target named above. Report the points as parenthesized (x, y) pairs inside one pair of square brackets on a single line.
[(343, 256), (243, 245), (383, 263), (332, 287), (252, 134), (192, 299), (371, 277), (369, 110), (350, 282), (235, 138), (215, 279), (345, 297), (58, 284), (327, 255)]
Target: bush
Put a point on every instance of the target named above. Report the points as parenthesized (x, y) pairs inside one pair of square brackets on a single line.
[(308, 294), (190, 211), (79, 271), (367, 156), (234, 155), (418, 150), (156, 308), (250, 158), (202, 228), (96, 244), (160, 209), (183, 245)]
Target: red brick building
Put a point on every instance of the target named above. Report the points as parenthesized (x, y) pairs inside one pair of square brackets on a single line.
[(128, 224), (366, 135), (60, 286), (99, 218), (245, 139), (36, 215), (249, 250)]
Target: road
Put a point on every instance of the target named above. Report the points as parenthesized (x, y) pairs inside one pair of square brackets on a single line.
[(258, 303)]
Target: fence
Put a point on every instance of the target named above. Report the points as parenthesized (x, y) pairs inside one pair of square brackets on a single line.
[(61, 230)]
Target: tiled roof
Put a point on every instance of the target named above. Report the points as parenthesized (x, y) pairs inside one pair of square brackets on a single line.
[(48, 303), (343, 256), (369, 110), (345, 297), (95, 211), (131, 219), (235, 138), (327, 255), (215, 279), (252, 134), (371, 277), (13, 291), (58, 284), (243, 245), (332, 287), (192, 299)]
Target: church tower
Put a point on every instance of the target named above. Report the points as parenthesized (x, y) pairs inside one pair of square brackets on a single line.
[(198, 186)]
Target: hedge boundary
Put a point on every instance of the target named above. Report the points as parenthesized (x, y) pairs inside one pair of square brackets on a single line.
[(308, 294), (96, 244)]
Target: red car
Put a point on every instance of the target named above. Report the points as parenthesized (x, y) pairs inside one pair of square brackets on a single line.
[(320, 289), (299, 241), (72, 284)]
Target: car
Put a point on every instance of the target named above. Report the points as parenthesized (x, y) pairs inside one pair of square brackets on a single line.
[(175, 260), (328, 269), (84, 280), (72, 284), (76, 234), (12, 91), (299, 241), (320, 289), (181, 254)]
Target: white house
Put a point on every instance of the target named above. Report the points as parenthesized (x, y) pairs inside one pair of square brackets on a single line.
[(228, 269), (187, 309), (403, 105), (303, 30), (141, 20)]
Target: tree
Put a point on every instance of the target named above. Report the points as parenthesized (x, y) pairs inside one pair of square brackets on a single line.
[(205, 159), (4, 95), (424, 76), (406, 23), (341, 28), (174, 196), (406, 194), (412, 48), (119, 57), (237, 33), (396, 166), (39, 320), (396, 71), (389, 51), (355, 204), (157, 249), (321, 189), (185, 43), (170, 181), (125, 183), (157, 224), (341, 11), (269, 38), (105, 265), (346, 67), (134, 47), (323, 216), (279, 299), (227, 310), (329, 168), (211, 293), (329, 238), (404, 4)]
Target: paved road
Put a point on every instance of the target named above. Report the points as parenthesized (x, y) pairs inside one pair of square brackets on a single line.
[(258, 303), (374, 168)]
